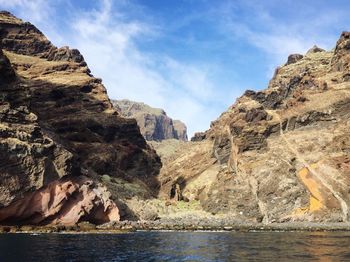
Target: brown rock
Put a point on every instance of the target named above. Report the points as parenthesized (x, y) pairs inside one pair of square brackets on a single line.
[(294, 58), (154, 123), (7, 74), (59, 134), (341, 59), (198, 136), (315, 49), (180, 130), (278, 154)]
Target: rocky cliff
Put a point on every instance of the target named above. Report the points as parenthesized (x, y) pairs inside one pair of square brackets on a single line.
[(60, 136), (153, 122), (67, 155), (277, 155)]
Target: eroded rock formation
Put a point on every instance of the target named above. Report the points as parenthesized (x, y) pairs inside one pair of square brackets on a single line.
[(63, 202), (59, 134), (277, 155), (154, 123), (66, 155)]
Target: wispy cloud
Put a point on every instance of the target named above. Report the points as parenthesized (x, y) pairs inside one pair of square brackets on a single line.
[(212, 53), (107, 38), (267, 26), (109, 44)]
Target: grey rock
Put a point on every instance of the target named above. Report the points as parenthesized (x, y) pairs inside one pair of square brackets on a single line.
[(154, 123)]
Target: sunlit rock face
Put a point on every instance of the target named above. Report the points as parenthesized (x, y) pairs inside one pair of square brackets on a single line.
[(59, 134), (154, 123), (277, 155)]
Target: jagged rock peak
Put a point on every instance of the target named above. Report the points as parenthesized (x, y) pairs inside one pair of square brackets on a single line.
[(24, 38), (340, 61), (7, 16), (344, 41), (153, 122), (314, 49)]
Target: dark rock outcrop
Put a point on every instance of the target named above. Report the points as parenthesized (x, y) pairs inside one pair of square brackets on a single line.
[(59, 133), (294, 58), (198, 136), (315, 49), (341, 60), (153, 122), (7, 74), (24, 38)]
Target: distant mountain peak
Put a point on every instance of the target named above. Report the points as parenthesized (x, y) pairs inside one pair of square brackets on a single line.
[(154, 123)]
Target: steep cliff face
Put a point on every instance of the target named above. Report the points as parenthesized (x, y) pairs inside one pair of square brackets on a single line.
[(180, 130), (153, 122), (59, 133), (281, 154)]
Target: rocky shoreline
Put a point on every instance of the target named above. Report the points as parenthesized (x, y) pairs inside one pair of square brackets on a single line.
[(133, 226)]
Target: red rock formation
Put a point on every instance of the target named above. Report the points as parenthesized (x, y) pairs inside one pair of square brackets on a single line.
[(63, 202)]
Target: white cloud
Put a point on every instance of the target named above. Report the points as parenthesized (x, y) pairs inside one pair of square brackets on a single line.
[(262, 25), (108, 37), (41, 13), (108, 44), (33, 10), (192, 78)]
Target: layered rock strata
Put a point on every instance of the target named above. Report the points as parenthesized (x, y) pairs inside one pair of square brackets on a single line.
[(277, 155), (59, 133)]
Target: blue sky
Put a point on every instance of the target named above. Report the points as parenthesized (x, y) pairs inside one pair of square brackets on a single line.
[(192, 58)]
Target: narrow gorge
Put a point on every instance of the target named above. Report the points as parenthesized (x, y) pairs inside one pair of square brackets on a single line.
[(70, 154)]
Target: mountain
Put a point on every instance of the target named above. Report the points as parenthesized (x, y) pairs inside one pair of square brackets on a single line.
[(277, 155), (154, 123), (66, 155)]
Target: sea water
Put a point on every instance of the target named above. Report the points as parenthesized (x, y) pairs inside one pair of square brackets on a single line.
[(177, 246)]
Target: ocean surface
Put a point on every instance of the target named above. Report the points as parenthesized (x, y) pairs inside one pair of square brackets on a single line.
[(177, 246)]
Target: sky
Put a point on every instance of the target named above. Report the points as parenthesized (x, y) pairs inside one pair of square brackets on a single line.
[(192, 58)]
